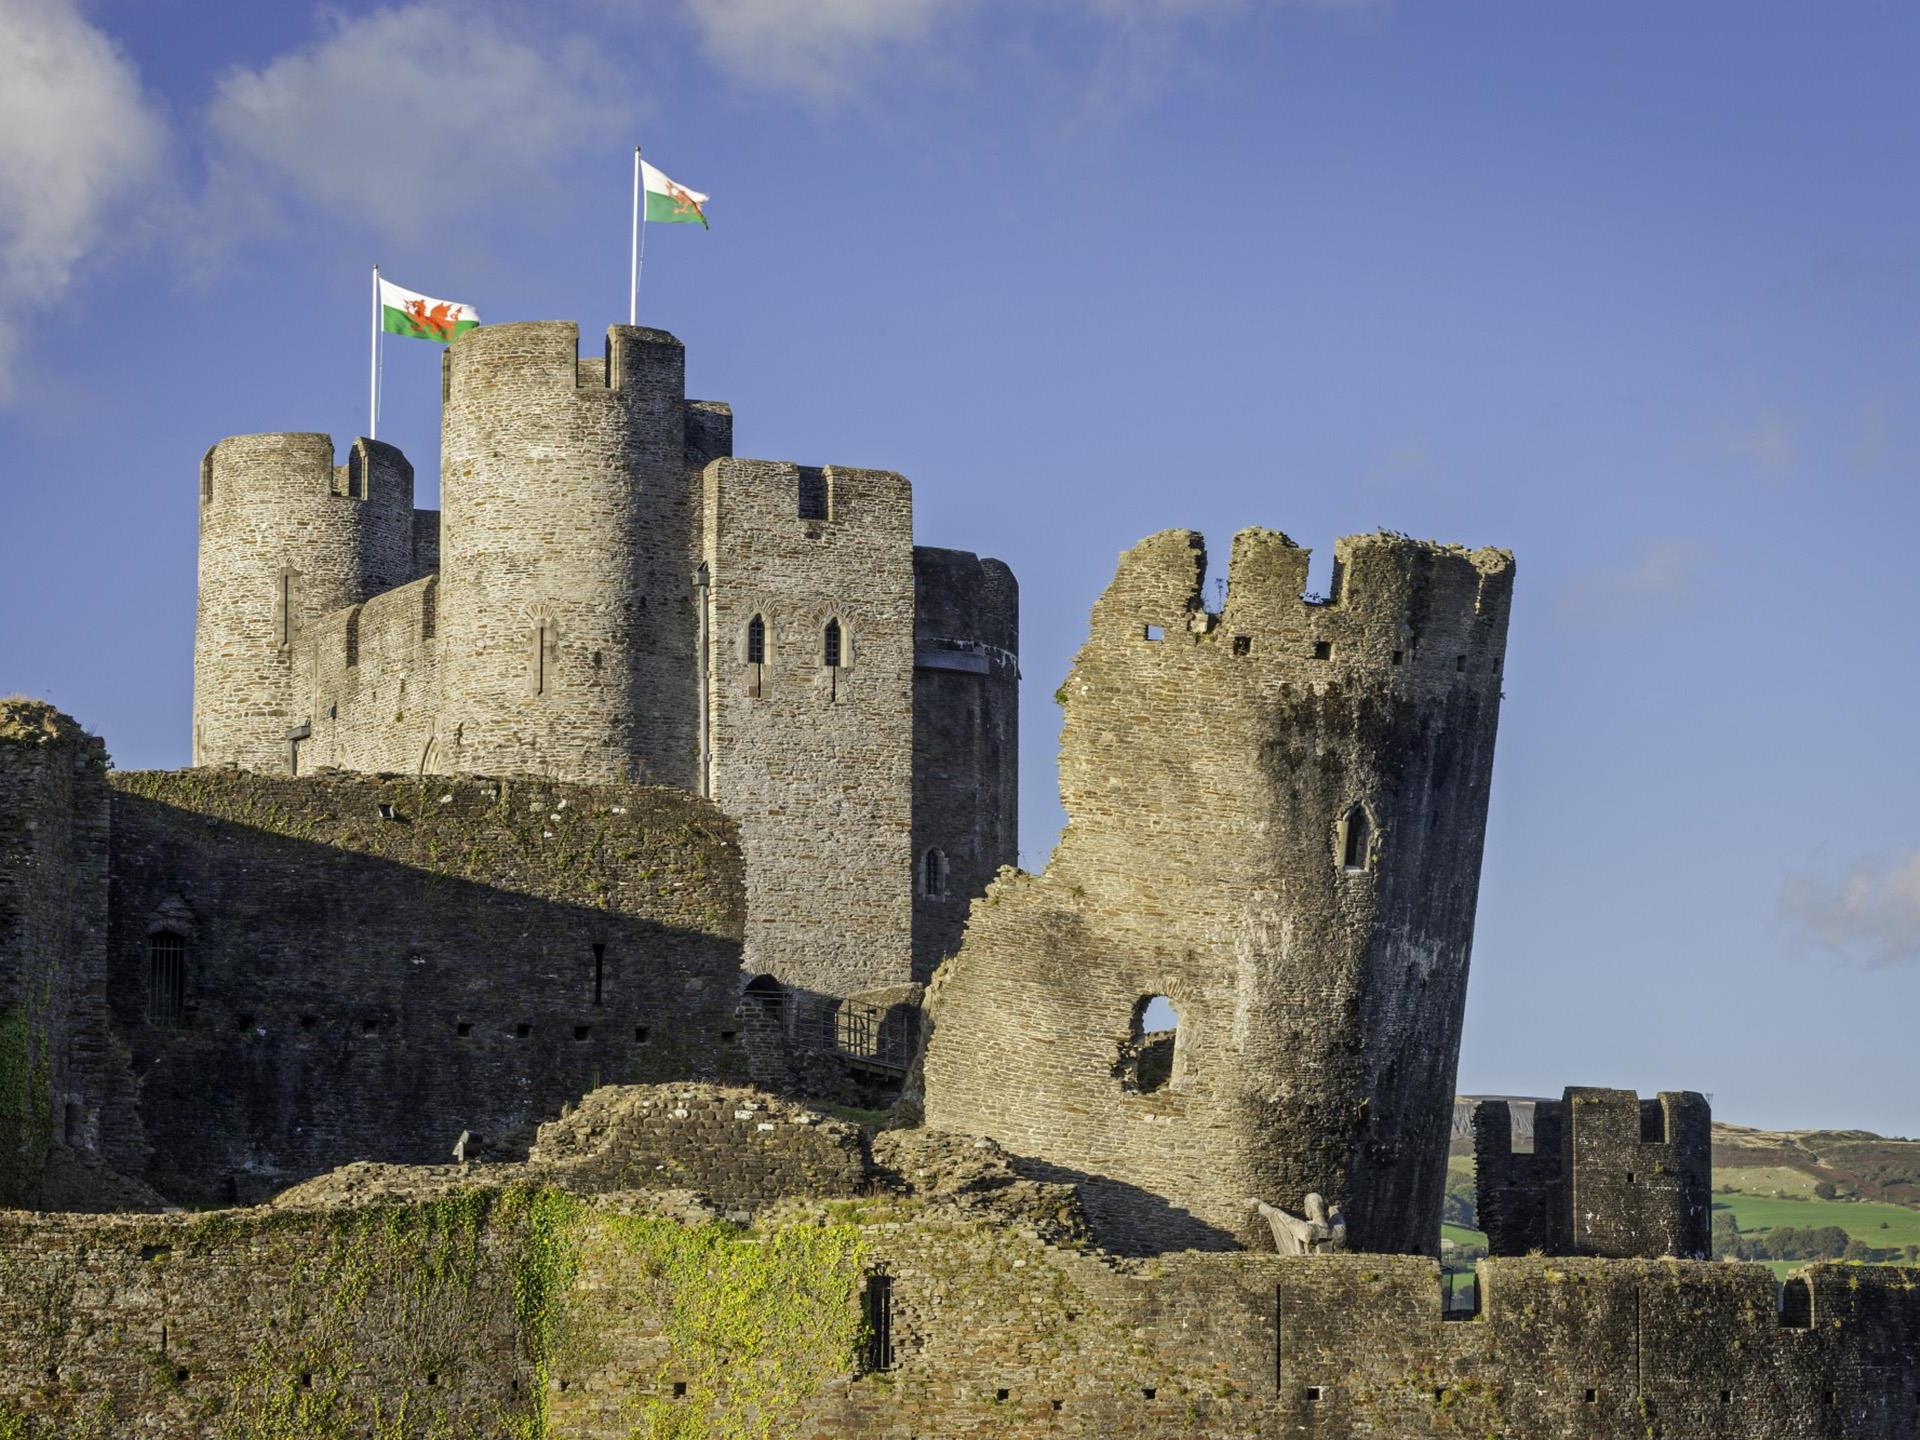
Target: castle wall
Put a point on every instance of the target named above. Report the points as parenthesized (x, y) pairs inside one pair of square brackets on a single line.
[(1609, 1174), (493, 1312), (62, 1080), (372, 967), (373, 672), (815, 760), (567, 553), (1213, 770), (286, 537), (966, 741)]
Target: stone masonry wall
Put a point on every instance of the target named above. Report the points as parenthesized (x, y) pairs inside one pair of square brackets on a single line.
[(815, 759), (966, 740), (61, 1078), (733, 1145), (1610, 1174), (567, 555), (477, 1311), (373, 672), (373, 966), (1275, 819)]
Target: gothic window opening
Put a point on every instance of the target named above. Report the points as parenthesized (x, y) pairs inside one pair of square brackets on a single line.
[(830, 645), (756, 641), (166, 977), (1356, 841), (933, 874)]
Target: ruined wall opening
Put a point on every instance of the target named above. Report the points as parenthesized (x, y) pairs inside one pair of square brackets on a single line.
[(429, 609), (813, 493), (1355, 841), (877, 1311), (353, 636), (166, 977), (1653, 1123), (1147, 1064)]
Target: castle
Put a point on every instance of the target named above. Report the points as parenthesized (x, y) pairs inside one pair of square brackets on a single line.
[(554, 873)]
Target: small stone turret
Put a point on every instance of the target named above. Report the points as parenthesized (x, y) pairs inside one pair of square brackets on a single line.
[(1275, 819), (286, 537)]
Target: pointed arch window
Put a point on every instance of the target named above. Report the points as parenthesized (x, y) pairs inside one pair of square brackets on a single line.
[(933, 873), (1355, 841), (166, 977), (757, 641), (830, 645)]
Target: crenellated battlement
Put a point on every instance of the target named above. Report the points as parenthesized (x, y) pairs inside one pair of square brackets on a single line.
[(545, 354), (1422, 609)]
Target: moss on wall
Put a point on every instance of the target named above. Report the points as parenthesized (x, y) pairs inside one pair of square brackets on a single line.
[(26, 1104), (755, 1322)]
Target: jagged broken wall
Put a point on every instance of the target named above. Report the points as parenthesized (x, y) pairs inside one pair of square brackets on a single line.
[(1274, 819)]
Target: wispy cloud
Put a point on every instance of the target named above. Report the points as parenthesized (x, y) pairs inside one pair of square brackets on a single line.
[(1768, 444), (410, 117), (79, 140), (1869, 913), (1659, 574)]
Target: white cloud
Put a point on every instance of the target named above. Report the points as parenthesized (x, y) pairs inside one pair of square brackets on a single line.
[(1660, 574), (413, 116), (814, 46), (1870, 913), (78, 140)]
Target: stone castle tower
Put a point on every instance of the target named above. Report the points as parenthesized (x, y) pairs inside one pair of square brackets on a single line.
[(608, 594), (1275, 819)]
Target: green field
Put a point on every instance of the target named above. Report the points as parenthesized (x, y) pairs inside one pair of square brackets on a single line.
[(1863, 1220)]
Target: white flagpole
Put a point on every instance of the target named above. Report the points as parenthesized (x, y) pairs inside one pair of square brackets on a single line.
[(633, 273), (373, 364)]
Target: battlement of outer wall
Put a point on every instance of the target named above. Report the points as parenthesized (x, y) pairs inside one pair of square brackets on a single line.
[(1599, 1172), (474, 1300)]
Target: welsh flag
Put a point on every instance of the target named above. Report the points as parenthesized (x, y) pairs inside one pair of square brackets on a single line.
[(671, 204), (402, 312)]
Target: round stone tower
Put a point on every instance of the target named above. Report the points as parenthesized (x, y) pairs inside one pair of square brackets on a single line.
[(1244, 971), (286, 536), (567, 556)]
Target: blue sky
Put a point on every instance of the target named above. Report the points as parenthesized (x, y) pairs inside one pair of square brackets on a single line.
[(1628, 288)]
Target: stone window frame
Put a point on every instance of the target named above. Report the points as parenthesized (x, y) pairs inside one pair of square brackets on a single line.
[(1126, 1066), (746, 638), (286, 607), (849, 654), (1369, 839), (172, 920)]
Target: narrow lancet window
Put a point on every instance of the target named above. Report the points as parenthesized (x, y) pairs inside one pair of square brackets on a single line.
[(933, 874), (756, 641), (830, 648), (1356, 841), (166, 977)]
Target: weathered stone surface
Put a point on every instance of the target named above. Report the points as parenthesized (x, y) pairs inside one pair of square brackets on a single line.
[(1212, 766), (1603, 1173)]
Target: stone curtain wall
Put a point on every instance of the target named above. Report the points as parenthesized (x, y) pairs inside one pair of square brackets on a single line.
[(1610, 1174), (58, 1072), (523, 1311), (568, 502), (380, 712), (816, 760), (966, 740), (363, 987), (1209, 766), (274, 510)]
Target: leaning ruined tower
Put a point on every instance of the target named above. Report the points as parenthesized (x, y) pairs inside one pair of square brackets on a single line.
[(1275, 822)]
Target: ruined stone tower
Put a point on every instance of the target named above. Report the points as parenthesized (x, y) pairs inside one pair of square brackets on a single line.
[(609, 595), (1275, 819)]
